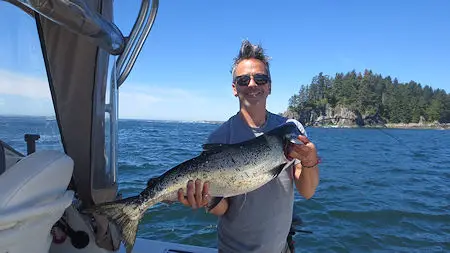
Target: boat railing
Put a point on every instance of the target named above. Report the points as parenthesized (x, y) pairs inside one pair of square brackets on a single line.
[(122, 68), (77, 16), (136, 40)]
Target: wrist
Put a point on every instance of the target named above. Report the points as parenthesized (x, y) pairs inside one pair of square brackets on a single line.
[(220, 209), (311, 164)]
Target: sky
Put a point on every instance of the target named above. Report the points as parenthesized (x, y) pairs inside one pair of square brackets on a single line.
[(183, 70)]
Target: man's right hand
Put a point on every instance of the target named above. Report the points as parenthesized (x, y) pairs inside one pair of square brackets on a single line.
[(197, 194)]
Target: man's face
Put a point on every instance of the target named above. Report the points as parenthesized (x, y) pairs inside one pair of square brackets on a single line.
[(250, 92)]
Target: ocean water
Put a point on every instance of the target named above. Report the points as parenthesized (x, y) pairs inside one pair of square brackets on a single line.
[(380, 190)]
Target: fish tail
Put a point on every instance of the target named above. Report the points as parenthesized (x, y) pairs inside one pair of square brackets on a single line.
[(125, 214)]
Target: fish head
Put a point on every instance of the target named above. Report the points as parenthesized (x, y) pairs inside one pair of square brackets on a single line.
[(288, 132), (291, 131)]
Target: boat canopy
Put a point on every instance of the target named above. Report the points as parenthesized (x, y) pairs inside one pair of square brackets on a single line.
[(87, 58)]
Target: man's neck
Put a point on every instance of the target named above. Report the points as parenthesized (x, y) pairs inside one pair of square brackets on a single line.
[(254, 116)]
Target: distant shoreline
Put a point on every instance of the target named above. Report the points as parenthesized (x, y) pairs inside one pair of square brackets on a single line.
[(437, 126), (430, 126)]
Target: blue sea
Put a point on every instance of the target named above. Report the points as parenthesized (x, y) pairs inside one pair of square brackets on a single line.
[(381, 190)]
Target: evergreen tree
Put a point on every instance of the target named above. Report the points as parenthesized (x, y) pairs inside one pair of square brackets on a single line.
[(371, 94)]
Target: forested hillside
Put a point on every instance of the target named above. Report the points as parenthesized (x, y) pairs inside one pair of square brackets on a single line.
[(367, 99)]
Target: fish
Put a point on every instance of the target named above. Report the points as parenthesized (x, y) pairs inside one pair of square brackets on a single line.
[(230, 169)]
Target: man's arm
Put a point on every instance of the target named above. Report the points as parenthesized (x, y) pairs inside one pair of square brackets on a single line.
[(306, 176), (221, 208), (306, 180)]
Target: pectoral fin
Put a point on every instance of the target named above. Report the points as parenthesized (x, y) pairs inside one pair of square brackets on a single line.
[(277, 170)]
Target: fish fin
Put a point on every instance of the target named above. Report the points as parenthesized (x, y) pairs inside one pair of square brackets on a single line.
[(125, 214), (152, 181), (212, 148), (213, 203), (277, 170), (129, 234)]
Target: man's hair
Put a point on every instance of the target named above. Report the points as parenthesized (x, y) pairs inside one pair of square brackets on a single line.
[(250, 51)]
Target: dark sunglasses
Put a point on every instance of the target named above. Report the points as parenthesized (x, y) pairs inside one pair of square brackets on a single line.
[(244, 80)]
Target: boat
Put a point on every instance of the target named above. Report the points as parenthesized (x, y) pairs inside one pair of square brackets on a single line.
[(43, 190)]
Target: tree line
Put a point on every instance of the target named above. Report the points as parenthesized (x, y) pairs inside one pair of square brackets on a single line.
[(369, 93)]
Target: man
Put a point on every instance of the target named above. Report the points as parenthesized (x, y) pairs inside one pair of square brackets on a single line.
[(258, 221)]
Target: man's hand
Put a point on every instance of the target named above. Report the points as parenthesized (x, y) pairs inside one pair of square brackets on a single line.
[(197, 194), (306, 173), (305, 152)]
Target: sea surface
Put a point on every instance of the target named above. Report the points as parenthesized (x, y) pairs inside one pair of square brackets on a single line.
[(380, 190)]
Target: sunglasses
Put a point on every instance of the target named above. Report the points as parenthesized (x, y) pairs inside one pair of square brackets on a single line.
[(244, 80)]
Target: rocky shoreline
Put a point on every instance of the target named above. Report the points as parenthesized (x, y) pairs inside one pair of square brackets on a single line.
[(342, 117), (440, 126)]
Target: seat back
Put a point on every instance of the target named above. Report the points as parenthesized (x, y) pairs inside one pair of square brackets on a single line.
[(33, 196), (39, 176)]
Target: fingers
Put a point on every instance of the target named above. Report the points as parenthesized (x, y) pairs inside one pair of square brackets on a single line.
[(304, 139), (196, 194), (181, 197), (206, 196), (299, 150), (190, 194), (303, 152)]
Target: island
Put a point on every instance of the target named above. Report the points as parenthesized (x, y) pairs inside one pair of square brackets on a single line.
[(367, 99)]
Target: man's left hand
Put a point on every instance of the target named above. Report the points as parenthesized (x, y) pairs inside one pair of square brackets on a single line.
[(306, 179), (305, 152)]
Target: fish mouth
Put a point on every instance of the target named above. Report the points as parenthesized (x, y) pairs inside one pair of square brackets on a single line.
[(289, 140), (293, 138), (287, 150)]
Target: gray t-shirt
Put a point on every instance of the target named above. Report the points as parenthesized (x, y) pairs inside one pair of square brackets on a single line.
[(258, 221)]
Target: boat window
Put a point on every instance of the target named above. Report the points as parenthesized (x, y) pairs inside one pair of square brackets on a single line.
[(25, 99)]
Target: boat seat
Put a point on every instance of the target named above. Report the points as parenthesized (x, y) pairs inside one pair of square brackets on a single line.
[(33, 196)]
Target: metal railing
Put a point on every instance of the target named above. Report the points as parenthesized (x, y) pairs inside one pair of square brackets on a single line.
[(136, 40), (138, 35)]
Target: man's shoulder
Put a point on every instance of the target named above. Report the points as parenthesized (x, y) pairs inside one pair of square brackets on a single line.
[(222, 128), (220, 133)]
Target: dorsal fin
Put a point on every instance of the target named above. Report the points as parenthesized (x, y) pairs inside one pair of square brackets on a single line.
[(212, 148), (152, 181)]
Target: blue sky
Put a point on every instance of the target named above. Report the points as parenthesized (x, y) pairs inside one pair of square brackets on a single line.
[(183, 70)]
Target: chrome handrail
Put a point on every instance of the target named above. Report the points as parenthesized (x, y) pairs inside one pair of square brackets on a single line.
[(138, 39), (117, 79), (143, 12)]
